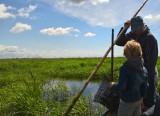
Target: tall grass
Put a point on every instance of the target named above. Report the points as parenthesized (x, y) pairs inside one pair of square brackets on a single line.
[(30, 98), (75, 69), (23, 98)]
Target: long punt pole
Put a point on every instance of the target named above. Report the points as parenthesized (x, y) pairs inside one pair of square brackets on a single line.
[(69, 108), (112, 55)]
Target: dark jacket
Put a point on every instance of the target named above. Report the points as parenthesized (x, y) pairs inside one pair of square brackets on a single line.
[(149, 48), (157, 107), (132, 80)]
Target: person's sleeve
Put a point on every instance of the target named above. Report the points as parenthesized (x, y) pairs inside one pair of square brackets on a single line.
[(144, 86), (151, 55), (122, 40), (121, 85)]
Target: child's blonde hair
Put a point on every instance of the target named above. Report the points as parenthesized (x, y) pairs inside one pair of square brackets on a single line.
[(132, 49)]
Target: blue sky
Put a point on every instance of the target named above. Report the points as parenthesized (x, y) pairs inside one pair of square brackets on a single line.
[(68, 28)]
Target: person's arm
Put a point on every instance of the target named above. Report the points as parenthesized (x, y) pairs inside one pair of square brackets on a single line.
[(121, 85), (124, 37)]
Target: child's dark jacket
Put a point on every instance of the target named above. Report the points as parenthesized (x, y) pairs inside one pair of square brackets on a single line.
[(132, 80)]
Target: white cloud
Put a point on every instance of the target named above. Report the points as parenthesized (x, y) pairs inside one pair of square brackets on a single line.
[(81, 2), (89, 34), (20, 27), (95, 2), (149, 17), (76, 2), (16, 52), (25, 12), (157, 17), (4, 14), (4, 49), (58, 31), (76, 30), (11, 8), (95, 12), (13, 52), (22, 12), (65, 51), (152, 19), (104, 12)]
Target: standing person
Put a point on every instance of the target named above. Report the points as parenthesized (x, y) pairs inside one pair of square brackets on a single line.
[(141, 33), (132, 83)]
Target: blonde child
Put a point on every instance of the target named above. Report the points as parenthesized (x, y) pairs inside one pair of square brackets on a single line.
[(132, 83)]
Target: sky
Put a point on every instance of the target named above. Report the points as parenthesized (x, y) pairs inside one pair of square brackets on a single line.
[(68, 28)]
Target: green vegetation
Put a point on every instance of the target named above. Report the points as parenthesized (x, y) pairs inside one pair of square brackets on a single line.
[(22, 82), (77, 69), (30, 99)]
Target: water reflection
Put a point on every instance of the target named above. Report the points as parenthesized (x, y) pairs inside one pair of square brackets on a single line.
[(65, 91), (91, 89)]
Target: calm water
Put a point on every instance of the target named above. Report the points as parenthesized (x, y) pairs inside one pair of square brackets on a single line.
[(91, 89)]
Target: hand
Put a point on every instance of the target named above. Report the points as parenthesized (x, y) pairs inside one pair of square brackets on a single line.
[(111, 84), (127, 24)]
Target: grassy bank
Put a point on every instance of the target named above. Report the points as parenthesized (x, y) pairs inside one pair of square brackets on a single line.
[(80, 68), (29, 98), (22, 80)]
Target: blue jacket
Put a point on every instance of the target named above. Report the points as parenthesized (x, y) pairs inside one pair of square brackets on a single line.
[(132, 83), (149, 49)]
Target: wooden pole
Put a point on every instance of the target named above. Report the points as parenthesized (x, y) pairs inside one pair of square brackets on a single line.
[(112, 54), (69, 108)]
